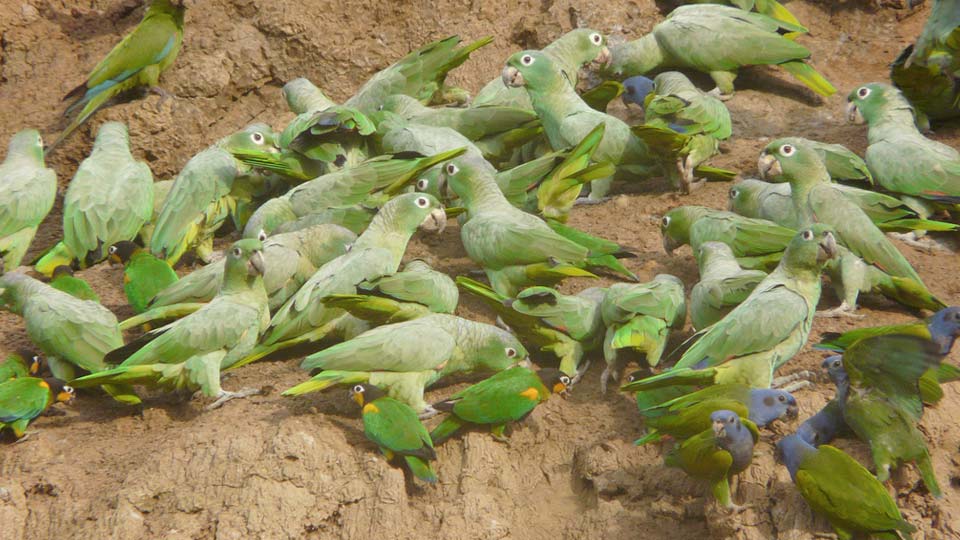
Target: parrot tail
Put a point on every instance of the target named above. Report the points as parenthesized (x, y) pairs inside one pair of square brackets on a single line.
[(58, 255), (162, 313), (420, 165), (600, 96), (810, 77), (644, 334), (930, 391), (92, 105), (652, 436), (123, 393), (376, 309), (901, 225), (283, 163), (928, 475), (947, 373), (555, 272), (450, 425), (325, 380), (776, 10), (673, 377), (144, 374), (910, 293), (714, 174), (421, 469)]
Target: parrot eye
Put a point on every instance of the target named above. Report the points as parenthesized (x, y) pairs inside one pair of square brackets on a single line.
[(358, 389), (511, 352), (112, 250), (262, 235), (422, 184), (527, 60), (68, 389), (596, 38), (422, 202), (734, 193), (782, 399), (452, 169), (665, 222), (237, 252), (863, 92), (787, 150), (35, 358), (565, 380), (808, 234), (257, 137)]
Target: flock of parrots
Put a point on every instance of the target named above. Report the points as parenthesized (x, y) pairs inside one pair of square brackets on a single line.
[(326, 208)]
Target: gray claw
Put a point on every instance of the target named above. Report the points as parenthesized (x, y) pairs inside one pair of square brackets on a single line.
[(226, 396)]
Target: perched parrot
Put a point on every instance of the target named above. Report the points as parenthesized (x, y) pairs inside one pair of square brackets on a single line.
[(108, 201), (672, 103), (23, 363), (395, 428), (144, 275), (717, 40), (686, 416), (290, 259), (718, 453), (638, 318), (825, 426), (135, 62), (837, 487), (25, 398), (72, 333), (568, 326), (723, 284), (203, 195), (27, 192), (404, 358), (570, 52), (878, 389), (322, 141), (770, 8), (733, 350), (816, 200), (473, 123), (508, 396), (416, 291), (901, 158), (64, 280), (191, 352)]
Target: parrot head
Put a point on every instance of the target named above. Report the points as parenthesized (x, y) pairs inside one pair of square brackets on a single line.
[(62, 270), (945, 328), (810, 248), (742, 198), (532, 69), (61, 392), (496, 348), (834, 366), (245, 257), (465, 176), (410, 211), (365, 393), (725, 424), (35, 361), (27, 143), (868, 102), (555, 380), (121, 252), (675, 225), (767, 405), (590, 45), (789, 159), (433, 183), (257, 137), (636, 89)]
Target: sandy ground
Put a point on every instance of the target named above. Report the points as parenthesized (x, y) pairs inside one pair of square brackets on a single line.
[(269, 467)]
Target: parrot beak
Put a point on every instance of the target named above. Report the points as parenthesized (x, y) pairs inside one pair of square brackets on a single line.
[(35, 365), (561, 389), (114, 260), (435, 222), (256, 266), (719, 430), (793, 411), (602, 60), (769, 166), (66, 395), (512, 77), (853, 114), (358, 397), (669, 244), (829, 246)]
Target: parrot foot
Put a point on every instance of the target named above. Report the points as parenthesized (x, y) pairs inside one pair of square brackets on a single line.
[(587, 201), (581, 371), (428, 412), (928, 245), (164, 96), (717, 93), (803, 376), (226, 396), (843, 310), (609, 372), (26, 435)]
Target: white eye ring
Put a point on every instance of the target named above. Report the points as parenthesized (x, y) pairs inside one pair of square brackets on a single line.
[(808, 234), (68, 389), (422, 202), (527, 60), (257, 137), (237, 252), (358, 389), (511, 352), (863, 92), (565, 380), (665, 222), (112, 250), (596, 38), (787, 150), (734, 193), (262, 235), (452, 169), (422, 184)]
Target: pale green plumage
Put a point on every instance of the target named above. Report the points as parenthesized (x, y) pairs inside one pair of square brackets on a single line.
[(723, 284), (27, 192)]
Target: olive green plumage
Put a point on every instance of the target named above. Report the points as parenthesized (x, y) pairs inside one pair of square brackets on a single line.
[(143, 274), (64, 280), (25, 398)]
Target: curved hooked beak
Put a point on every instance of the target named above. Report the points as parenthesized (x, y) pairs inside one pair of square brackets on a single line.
[(769, 166), (435, 222), (114, 260), (358, 397), (669, 244), (793, 411), (562, 389), (719, 429), (828, 245), (512, 77), (603, 59), (256, 266), (853, 113)]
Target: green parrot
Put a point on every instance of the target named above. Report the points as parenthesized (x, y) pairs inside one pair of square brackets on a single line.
[(160, 191), (687, 415), (718, 453), (144, 275), (64, 280), (783, 304), (108, 201), (72, 333), (507, 396), (302, 96), (568, 326), (377, 252), (723, 284), (27, 192), (671, 102), (415, 291), (567, 119), (405, 357), (638, 318), (472, 123), (135, 62), (570, 52), (25, 398), (878, 389), (837, 487), (191, 352), (23, 363), (517, 249), (770, 8), (291, 258), (395, 428), (815, 199), (202, 196), (927, 70), (901, 158), (717, 40)]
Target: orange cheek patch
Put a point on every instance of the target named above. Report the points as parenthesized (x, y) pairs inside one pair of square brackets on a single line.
[(370, 408)]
